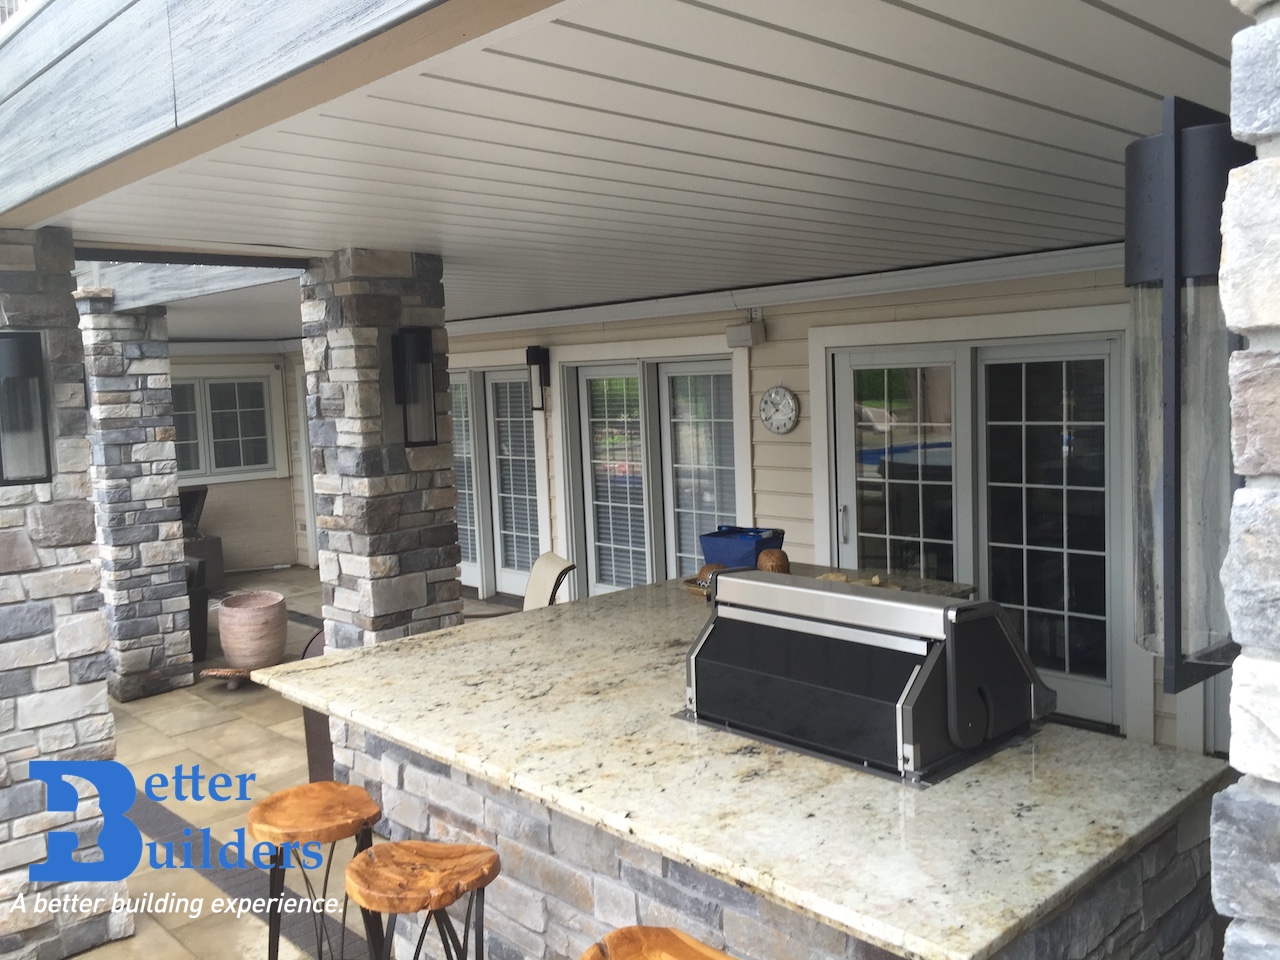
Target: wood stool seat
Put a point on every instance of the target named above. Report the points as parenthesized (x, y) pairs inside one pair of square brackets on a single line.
[(651, 943), (323, 811), (413, 876)]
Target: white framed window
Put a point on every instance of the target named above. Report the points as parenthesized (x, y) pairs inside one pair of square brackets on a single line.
[(229, 422), (658, 467)]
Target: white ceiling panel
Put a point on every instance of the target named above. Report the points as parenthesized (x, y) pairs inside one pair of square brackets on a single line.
[(626, 150)]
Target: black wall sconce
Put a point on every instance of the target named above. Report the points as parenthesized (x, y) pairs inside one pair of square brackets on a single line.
[(539, 361), (24, 425), (1175, 183), (413, 384)]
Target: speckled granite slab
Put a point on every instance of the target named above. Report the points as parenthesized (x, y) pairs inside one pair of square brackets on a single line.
[(574, 706)]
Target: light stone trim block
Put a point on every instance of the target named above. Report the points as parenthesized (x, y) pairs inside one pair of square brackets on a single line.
[(1251, 570), (1249, 275)]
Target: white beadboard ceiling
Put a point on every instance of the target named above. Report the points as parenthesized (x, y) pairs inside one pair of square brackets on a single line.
[(629, 149)]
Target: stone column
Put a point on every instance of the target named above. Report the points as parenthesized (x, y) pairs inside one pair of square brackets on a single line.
[(135, 494), (53, 640), (386, 514), (1246, 816)]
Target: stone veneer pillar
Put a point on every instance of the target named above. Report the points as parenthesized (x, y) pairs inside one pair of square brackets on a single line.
[(134, 474), (53, 639), (1246, 816), (386, 514)]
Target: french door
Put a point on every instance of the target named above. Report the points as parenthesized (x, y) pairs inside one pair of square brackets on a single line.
[(496, 469), (998, 466), (658, 467)]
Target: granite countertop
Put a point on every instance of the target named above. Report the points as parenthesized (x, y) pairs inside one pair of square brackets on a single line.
[(575, 706)]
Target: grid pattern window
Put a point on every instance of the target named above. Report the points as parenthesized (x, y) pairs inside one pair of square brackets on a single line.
[(904, 485), (464, 470), (616, 497), (186, 420), (516, 474), (223, 426), (702, 464), (1046, 468)]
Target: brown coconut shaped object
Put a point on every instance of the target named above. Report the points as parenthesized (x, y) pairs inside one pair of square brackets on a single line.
[(651, 943), (774, 561)]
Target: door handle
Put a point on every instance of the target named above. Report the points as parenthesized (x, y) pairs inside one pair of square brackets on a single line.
[(844, 523)]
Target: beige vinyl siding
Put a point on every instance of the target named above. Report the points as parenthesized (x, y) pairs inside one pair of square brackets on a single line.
[(299, 458), (254, 518)]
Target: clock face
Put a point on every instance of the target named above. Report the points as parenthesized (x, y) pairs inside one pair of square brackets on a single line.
[(779, 409)]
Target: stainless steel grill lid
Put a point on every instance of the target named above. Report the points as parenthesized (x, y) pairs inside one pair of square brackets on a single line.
[(904, 682)]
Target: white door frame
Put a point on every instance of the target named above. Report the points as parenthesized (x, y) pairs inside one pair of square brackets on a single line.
[(845, 362), (667, 504), (1077, 696), (1132, 687), (566, 435), (506, 579), (474, 364)]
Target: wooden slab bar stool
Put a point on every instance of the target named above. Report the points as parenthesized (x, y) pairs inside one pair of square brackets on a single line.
[(417, 876), (651, 943), (324, 812)]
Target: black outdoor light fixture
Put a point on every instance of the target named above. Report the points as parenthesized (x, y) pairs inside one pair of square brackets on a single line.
[(539, 361), (24, 426), (413, 384), (1175, 182)]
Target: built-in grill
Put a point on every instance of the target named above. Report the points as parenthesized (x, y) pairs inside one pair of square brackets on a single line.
[(907, 683)]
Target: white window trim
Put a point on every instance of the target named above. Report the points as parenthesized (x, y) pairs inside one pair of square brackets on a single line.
[(273, 374), (1135, 707)]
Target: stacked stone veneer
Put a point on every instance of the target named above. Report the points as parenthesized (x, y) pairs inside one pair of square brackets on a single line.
[(1246, 817), (565, 883), (53, 639), (134, 474), (386, 514)]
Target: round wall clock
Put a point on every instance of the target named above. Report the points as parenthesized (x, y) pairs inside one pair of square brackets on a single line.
[(779, 409)]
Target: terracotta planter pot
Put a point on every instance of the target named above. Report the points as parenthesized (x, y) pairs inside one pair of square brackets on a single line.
[(252, 628)]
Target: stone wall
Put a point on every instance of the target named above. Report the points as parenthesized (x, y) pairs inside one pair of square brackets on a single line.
[(134, 475), (1246, 817), (386, 514), (565, 883), (53, 639)]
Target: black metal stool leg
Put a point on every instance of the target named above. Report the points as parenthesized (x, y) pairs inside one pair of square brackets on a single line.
[(388, 939), (275, 890)]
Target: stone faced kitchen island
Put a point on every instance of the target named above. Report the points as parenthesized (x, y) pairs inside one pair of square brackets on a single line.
[(553, 736)]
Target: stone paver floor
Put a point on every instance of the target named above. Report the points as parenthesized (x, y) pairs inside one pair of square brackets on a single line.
[(250, 729)]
